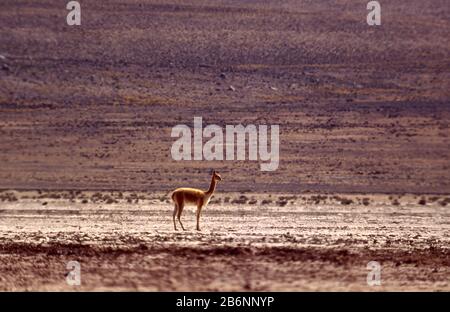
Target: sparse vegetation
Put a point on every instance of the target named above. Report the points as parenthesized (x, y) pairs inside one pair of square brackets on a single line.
[(282, 202), (346, 201), (445, 202), (317, 199), (343, 200), (433, 199), (241, 200), (215, 201), (8, 196)]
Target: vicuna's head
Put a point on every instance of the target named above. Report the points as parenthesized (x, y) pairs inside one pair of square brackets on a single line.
[(216, 176)]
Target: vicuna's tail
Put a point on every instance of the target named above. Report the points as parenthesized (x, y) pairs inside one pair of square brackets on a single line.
[(171, 195)]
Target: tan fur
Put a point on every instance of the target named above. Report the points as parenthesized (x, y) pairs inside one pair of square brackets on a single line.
[(191, 196)]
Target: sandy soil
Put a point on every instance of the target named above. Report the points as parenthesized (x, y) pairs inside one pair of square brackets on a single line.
[(85, 166), (248, 242)]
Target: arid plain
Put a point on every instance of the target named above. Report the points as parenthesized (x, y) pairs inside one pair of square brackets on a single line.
[(86, 114)]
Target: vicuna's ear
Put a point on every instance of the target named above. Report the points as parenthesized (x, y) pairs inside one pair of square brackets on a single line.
[(212, 171)]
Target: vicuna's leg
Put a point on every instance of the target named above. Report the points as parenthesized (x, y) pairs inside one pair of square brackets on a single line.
[(199, 210), (174, 214), (180, 210)]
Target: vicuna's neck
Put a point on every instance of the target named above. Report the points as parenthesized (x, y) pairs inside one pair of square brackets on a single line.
[(212, 187)]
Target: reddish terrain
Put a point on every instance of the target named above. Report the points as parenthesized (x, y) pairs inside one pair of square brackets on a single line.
[(86, 114)]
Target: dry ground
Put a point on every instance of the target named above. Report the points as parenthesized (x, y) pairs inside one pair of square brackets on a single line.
[(248, 242), (362, 110)]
